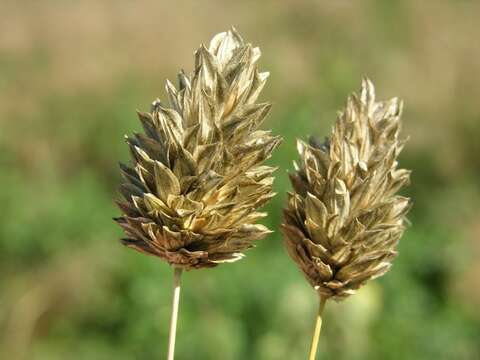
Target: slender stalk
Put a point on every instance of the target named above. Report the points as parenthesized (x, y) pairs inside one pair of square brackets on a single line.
[(177, 272), (316, 331)]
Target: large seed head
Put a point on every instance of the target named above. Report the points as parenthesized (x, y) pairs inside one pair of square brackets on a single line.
[(196, 180)]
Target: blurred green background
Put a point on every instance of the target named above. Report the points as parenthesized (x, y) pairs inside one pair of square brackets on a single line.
[(72, 74)]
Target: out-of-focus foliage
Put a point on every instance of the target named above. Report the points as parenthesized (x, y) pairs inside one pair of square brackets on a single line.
[(72, 75)]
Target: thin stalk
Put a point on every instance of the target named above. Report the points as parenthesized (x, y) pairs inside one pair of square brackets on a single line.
[(316, 331), (177, 272)]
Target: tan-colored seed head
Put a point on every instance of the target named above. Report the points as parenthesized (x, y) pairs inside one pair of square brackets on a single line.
[(344, 219), (196, 181)]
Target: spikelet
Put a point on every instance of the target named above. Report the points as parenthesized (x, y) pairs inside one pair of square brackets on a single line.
[(344, 219), (196, 181)]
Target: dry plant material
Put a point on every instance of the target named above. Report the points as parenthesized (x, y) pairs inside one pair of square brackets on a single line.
[(196, 181), (344, 218), (192, 194)]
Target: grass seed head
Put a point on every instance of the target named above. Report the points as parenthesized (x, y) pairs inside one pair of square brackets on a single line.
[(196, 179), (344, 218)]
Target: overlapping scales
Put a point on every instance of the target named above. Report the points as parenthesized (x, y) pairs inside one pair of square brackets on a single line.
[(192, 193), (344, 217)]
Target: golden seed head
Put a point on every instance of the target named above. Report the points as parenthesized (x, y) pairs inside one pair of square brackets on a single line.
[(344, 219), (196, 182)]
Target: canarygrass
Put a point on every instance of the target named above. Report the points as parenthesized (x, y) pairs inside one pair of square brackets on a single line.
[(57, 179)]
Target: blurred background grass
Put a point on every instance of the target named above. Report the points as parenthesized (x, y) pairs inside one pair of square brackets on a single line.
[(72, 74)]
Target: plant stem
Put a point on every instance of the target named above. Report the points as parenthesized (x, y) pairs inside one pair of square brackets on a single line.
[(316, 331), (177, 272)]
